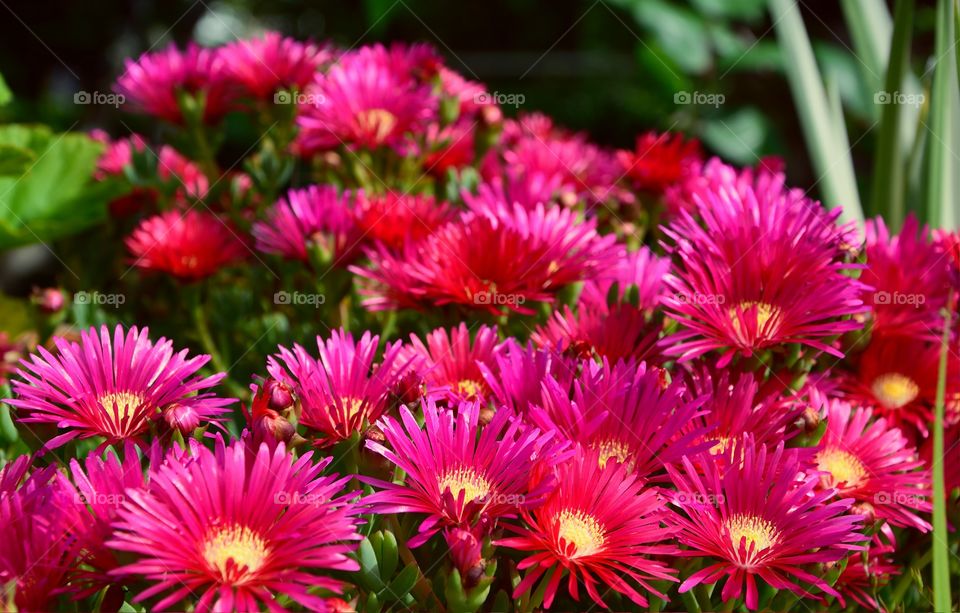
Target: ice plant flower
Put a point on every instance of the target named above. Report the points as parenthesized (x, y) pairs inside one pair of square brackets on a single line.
[(344, 391), (314, 217), (233, 529), (363, 101), (267, 63), (527, 256), (756, 515), (873, 463), (153, 82), (114, 388), (638, 276), (910, 278), (897, 377), (450, 362), (189, 245), (619, 332), (659, 160), (861, 578), (517, 374), (625, 415), (601, 527), (393, 219), (761, 268), (459, 475)]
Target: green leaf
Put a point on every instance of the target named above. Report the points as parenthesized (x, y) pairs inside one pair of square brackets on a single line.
[(369, 567), (56, 195), (941, 553), (939, 180), (889, 188), (678, 32), (738, 137), (15, 160), (389, 555), (825, 136), (403, 582), (5, 94), (869, 23)]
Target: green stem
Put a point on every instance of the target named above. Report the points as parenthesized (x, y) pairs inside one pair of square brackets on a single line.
[(207, 343), (941, 560)]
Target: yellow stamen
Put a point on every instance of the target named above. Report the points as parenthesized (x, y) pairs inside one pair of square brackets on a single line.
[(846, 469), (126, 403), (469, 388), (765, 312), (377, 122), (581, 530), (240, 544), (611, 448), (466, 480), (894, 390), (758, 532)]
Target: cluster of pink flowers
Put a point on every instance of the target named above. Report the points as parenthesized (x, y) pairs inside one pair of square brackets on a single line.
[(578, 414)]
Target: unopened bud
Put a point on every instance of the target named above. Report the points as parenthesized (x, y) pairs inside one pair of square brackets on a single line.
[(182, 417)]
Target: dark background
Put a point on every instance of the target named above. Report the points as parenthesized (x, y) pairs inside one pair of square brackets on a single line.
[(608, 67)]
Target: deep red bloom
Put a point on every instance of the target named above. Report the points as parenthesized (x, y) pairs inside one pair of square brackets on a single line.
[(394, 219), (450, 362), (601, 528), (189, 245), (659, 160)]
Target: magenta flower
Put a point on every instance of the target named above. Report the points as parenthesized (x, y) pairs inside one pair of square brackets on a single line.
[(620, 332), (518, 371), (344, 391), (760, 516), (365, 100), (262, 65), (450, 362), (189, 245), (314, 217), (640, 272), (910, 279), (494, 257), (153, 82), (601, 528), (393, 219), (874, 464), (763, 267), (624, 414), (114, 389), (232, 529), (460, 475)]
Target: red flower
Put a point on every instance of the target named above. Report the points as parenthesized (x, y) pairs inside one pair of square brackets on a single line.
[(659, 160), (189, 245)]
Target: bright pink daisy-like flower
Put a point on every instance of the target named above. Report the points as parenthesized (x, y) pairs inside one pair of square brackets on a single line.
[(624, 414), (873, 463), (910, 280), (450, 362), (314, 217), (620, 332), (640, 272), (393, 219), (494, 257), (115, 388), (363, 101), (154, 80), (517, 373), (461, 475), (344, 391), (861, 578), (601, 527), (262, 65), (759, 516), (448, 147), (233, 529), (189, 245), (659, 160), (763, 267), (897, 377), (39, 523)]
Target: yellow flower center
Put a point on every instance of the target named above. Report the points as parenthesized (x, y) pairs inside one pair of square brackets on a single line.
[(765, 312), (348, 408), (894, 390), (581, 530), (378, 123), (466, 480), (757, 532), (611, 448), (846, 470), (126, 404), (243, 546), (469, 388), (721, 445)]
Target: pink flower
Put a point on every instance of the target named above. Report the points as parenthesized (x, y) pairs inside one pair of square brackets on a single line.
[(262, 65)]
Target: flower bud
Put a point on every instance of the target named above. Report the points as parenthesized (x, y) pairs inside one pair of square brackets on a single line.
[(181, 417)]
